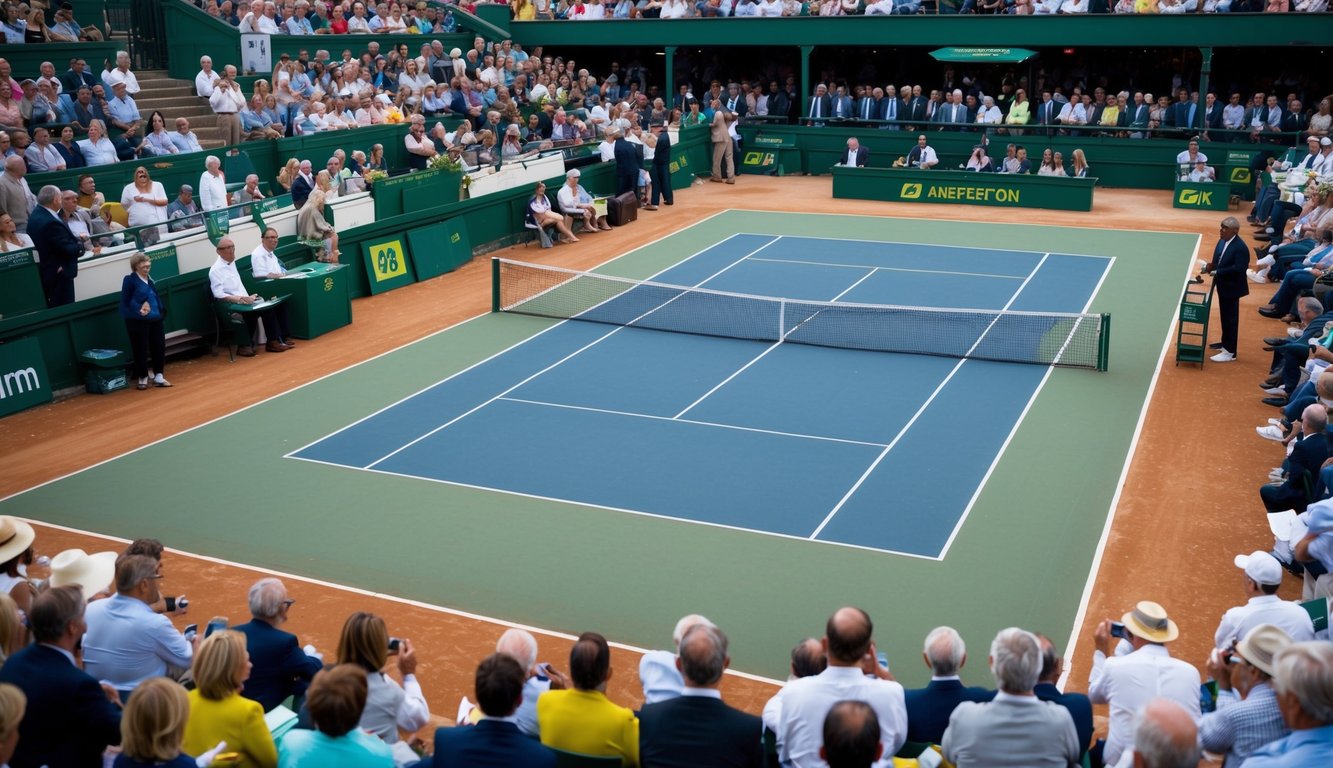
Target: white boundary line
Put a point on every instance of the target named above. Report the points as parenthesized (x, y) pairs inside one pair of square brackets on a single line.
[(950, 273), (953, 221), (384, 596), (655, 515), (1096, 564), (912, 421), (631, 414), (1017, 423), (312, 382)]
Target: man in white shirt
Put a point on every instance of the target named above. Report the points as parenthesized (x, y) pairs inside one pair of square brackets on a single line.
[(849, 645), (184, 138), (922, 155), (225, 283), (126, 642), (268, 23), (212, 185), (807, 659), (1263, 576), (204, 81), (40, 154), (1129, 682), (250, 21), (227, 102), (121, 74), (575, 202), (658, 674)]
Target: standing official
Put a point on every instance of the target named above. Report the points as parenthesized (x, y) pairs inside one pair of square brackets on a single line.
[(1230, 258)]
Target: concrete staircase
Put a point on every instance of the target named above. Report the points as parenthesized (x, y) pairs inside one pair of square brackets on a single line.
[(176, 98)]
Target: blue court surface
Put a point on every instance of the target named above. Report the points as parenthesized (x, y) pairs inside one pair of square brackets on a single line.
[(876, 450)]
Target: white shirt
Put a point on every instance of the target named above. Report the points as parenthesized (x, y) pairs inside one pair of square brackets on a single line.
[(267, 26), (1264, 609), (109, 79), (203, 82), (224, 280), (228, 101), (127, 643), (807, 701), (212, 191), (661, 680), (569, 200), (264, 262), (1129, 682)]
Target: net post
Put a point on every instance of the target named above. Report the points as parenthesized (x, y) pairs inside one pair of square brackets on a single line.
[(782, 320), (495, 284), (1104, 344)]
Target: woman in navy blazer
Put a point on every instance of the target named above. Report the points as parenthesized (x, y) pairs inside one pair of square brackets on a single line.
[(142, 309)]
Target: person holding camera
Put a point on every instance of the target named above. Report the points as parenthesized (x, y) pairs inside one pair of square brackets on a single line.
[(389, 706), (1141, 670)]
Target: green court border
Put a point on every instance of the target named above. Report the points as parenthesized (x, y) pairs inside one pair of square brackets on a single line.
[(1023, 557)]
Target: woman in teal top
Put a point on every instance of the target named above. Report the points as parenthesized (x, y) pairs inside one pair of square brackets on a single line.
[(335, 701), (141, 308)]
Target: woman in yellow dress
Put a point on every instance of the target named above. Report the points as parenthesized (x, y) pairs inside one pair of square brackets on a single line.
[(217, 710)]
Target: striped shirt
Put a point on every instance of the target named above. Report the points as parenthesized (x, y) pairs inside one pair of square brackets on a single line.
[(1239, 727)]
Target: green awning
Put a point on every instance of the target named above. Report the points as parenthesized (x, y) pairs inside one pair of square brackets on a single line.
[(993, 55)]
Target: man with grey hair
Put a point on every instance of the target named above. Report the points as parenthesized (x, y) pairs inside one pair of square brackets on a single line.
[(57, 246), (212, 185), (203, 82), (16, 196), (1247, 715), (1308, 450), (522, 647), (1303, 679), (1016, 729), (929, 708), (1166, 737), (659, 671), (127, 642), (1230, 259), (280, 667), (697, 727)]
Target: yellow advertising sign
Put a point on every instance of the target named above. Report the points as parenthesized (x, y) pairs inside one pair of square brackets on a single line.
[(387, 261)]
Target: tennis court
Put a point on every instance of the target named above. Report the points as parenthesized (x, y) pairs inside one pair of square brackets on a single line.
[(998, 490), (789, 437)]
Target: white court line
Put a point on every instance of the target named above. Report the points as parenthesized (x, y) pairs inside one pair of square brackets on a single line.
[(1050, 369), (950, 272), (381, 596), (559, 362), (516, 345), (775, 344), (1096, 564), (689, 421), (898, 437), (934, 219), (608, 508)]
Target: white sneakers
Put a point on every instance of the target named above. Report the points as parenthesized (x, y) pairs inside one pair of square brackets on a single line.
[(1266, 261), (1270, 432), (1274, 391), (1257, 277), (1223, 357)]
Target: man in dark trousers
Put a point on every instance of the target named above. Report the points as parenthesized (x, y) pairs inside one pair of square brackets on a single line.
[(1230, 257), (57, 247), (627, 165), (697, 728), (659, 172)]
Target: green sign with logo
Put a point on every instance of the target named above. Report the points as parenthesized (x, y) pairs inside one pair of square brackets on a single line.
[(23, 381), (761, 160), (961, 187), (992, 55), (388, 264), (1203, 196)]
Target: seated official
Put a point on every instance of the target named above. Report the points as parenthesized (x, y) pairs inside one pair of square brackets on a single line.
[(582, 719), (922, 155), (279, 667), (127, 642), (856, 155), (225, 283), (575, 202), (218, 712), (495, 740), (336, 700), (70, 718)]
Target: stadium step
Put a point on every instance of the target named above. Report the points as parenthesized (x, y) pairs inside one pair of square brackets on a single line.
[(175, 98)]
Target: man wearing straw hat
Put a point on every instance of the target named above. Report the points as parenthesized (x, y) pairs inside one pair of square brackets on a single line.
[(1247, 715), (1129, 682), (93, 574)]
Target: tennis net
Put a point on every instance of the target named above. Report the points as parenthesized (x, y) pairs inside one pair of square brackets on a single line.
[(1043, 338)]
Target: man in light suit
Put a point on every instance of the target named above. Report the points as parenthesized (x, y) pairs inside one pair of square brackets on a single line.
[(697, 728), (495, 740), (280, 668), (723, 151), (1230, 258), (1017, 728), (70, 718), (929, 708), (57, 246)]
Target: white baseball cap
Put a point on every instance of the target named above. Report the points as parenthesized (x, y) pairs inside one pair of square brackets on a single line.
[(1260, 566)]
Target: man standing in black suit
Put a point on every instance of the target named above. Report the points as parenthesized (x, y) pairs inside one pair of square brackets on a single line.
[(57, 247), (627, 165), (659, 171), (697, 728), (1230, 258), (70, 718)]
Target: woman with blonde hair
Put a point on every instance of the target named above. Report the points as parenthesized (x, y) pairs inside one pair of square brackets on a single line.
[(311, 225), (13, 705), (217, 710), (10, 238), (1079, 168), (36, 31), (288, 174), (390, 707), (152, 727), (13, 632)]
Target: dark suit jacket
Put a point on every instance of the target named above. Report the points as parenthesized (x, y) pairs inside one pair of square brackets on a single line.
[(301, 190), (56, 245), (826, 110), (1293, 122), (488, 744), (662, 152), (281, 668), (1080, 708), (1046, 112), (847, 107), (870, 104), (862, 155), (916, 108), (1212, 118), (692, 731), (928, 708), (1307, 455), (1228, 268), (69, 722)]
